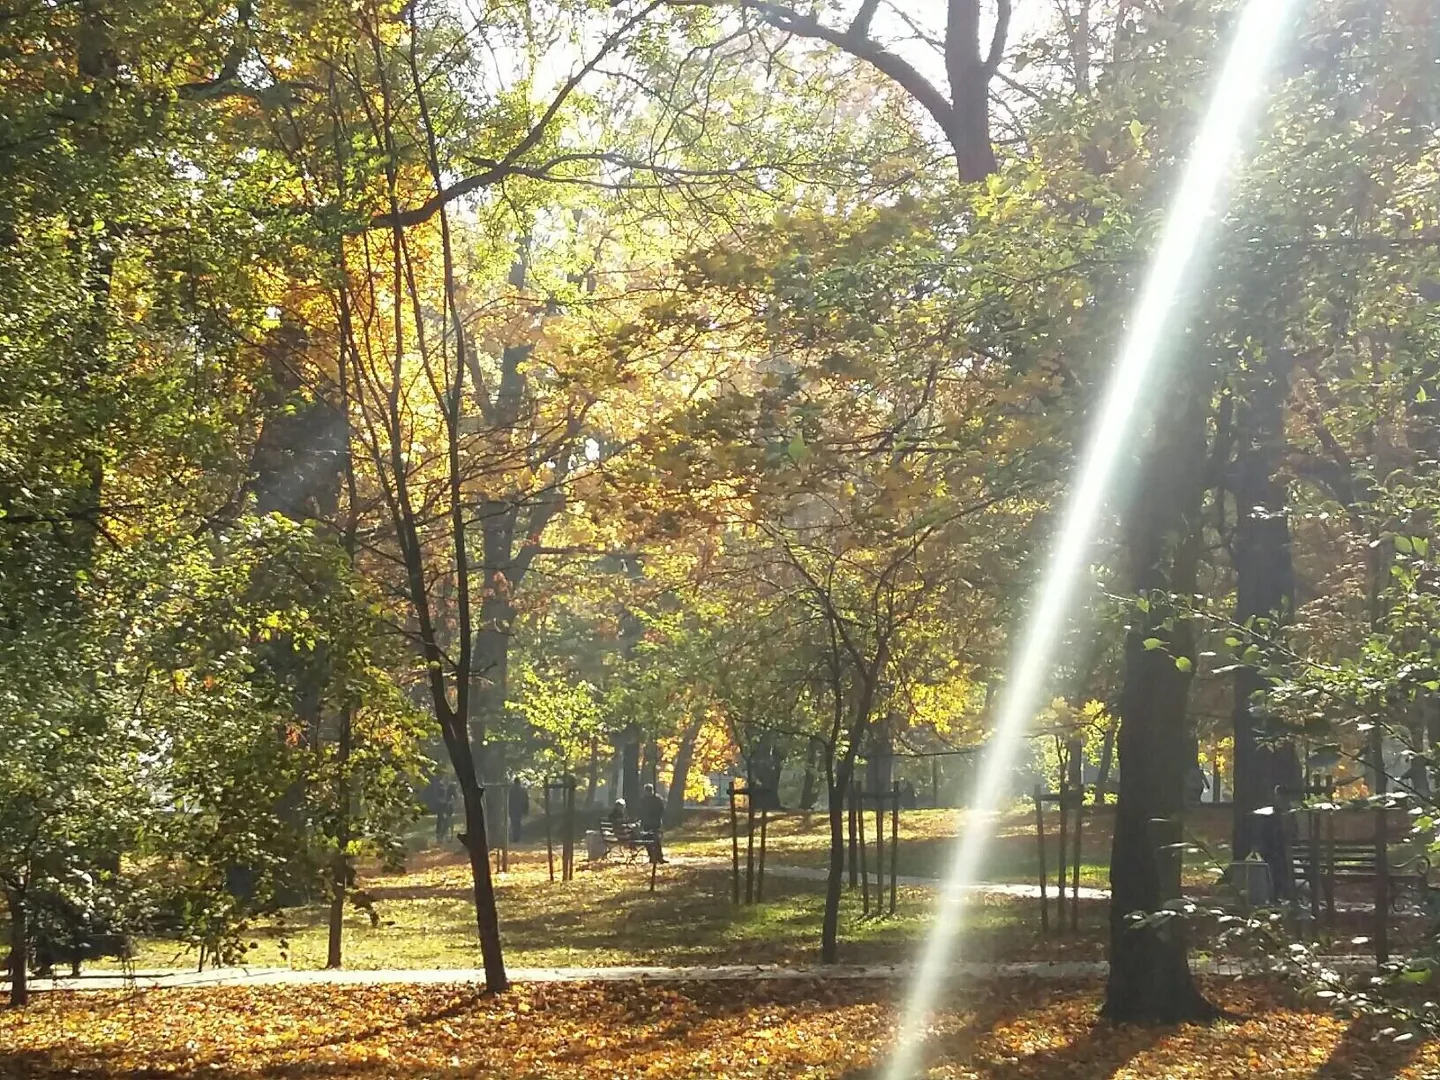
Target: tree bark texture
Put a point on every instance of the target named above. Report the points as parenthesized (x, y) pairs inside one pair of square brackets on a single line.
[(1150, 980), (1264, 589), (487, 920), (19, 949), (684, 755)]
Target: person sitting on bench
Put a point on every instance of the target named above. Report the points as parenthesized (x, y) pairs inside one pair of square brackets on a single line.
[(652, 821), (618, 816)]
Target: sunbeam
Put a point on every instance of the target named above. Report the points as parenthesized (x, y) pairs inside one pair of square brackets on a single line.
[(1236, 99)]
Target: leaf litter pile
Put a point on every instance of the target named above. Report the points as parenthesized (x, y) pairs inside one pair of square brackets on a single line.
[(1023, 1030)]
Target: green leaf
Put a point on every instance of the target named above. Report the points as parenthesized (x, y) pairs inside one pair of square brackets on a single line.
[(1137, 131), (1152, 643), (1183, 663)]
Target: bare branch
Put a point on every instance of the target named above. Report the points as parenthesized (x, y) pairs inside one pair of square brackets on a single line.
[(893, 66), (505, 166), (1002, 31), (860, 27)]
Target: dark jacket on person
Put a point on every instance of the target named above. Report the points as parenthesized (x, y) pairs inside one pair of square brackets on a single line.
[(652, 812)]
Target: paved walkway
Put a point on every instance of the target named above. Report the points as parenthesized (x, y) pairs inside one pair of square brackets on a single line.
[(267, 976), (1015, 890), (981, 888)]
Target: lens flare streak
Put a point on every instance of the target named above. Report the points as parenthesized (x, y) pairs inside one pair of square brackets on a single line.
[(1232, 109)]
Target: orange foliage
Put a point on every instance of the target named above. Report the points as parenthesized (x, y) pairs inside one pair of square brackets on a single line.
[(1022, 1030)]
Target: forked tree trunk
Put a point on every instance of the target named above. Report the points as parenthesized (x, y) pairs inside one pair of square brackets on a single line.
[(838, 775), (680, 777), (839, 785)]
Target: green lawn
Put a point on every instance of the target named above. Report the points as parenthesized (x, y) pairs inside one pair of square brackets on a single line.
[(927, 839), (608, 916)]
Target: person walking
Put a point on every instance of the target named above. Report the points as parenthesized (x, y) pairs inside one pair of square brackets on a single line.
[(652, 822)]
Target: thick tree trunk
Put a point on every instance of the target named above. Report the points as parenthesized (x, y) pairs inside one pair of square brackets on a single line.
[(675, 797), (1149, 971), (494, 785), (1264, 589), (19, 950), (767, 761), (1150, 979), (490, 662), (969, 131), (486, 919)]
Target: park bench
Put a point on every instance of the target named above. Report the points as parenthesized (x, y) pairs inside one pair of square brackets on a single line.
[(627, 838), (1353, 862)]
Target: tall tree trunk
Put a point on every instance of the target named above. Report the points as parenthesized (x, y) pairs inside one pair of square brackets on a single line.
[(592, 778), (489, 678), (838, 776), (767, 762), (495, 787), (340, 876), (649, 762), (19, 949), (675, 797), (880, 768), (630, 768), (1150, 979), (808, 790), (487, 920), (1264, 589), (838, 783)]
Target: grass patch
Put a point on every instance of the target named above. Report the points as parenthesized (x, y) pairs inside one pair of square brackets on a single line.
[(608, 916), (927, 839)]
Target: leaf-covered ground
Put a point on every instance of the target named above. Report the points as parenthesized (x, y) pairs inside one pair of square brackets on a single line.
[(1018, 1031)]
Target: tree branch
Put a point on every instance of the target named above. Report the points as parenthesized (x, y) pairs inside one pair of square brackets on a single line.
[(1002, 31), (533, 137), (891, 65), (860, 26)]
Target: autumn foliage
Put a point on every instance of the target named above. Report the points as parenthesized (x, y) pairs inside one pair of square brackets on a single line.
[(1020, 1030)]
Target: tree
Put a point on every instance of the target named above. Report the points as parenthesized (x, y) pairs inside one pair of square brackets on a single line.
[(962, 114)]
